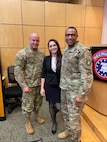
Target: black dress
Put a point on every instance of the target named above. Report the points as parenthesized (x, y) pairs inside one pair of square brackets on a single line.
[(52, 79)]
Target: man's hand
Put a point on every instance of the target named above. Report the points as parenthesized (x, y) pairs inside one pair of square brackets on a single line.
[(26, 89), (78, 100)]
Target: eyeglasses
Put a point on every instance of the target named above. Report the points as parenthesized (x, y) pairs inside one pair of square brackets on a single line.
[(73, 35)]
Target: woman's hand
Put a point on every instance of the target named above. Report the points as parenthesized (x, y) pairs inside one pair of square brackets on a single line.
[(42, 92)]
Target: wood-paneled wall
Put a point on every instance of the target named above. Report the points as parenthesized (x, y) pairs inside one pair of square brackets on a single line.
[(19, 18)]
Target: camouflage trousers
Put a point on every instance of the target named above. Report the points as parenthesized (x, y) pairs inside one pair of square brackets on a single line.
[(31, 101), (72, 113)]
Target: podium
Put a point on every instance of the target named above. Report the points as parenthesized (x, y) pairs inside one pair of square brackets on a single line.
[(97, 98)]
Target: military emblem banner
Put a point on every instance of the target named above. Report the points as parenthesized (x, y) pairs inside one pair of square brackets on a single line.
[(99, 58)]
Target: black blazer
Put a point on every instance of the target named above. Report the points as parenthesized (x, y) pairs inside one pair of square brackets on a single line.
[(51, 77)]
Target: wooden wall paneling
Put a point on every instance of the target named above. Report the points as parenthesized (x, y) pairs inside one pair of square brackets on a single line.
[(33, 12), (75, 15), (54, 14), (8, 56), (95, 2), (27, 30), (10, 11), (81, 34), (94, 16), (57, 33), (47, 51), (92, 36), (11, 36)]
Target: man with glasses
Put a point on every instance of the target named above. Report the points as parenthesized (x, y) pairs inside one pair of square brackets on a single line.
[(76, 81)]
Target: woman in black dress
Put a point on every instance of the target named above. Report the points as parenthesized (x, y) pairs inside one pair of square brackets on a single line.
[(50, 80)]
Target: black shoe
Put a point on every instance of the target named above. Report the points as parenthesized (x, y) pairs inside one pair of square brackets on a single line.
[(38, 140), (54, 128), (53, 132)]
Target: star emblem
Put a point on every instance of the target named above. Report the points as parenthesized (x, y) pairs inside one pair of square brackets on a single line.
[(101, 68)]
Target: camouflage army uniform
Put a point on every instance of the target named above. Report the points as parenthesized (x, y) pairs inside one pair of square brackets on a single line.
[(76, 80), (28, 67)]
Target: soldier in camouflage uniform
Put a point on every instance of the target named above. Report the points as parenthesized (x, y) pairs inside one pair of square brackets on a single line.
[(76, 81), (28, 68)]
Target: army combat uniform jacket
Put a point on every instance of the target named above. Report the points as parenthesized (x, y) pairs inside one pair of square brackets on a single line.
[(76, 71), (28, 67)]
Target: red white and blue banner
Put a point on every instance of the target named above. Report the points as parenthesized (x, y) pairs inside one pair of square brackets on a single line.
[(99, 58)]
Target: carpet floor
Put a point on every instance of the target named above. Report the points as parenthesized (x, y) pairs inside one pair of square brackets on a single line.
[(13, 128)]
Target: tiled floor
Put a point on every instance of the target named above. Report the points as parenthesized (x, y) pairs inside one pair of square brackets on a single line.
[(13, 128)]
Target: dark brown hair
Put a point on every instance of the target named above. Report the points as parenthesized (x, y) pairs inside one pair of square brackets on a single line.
[(59, 54)]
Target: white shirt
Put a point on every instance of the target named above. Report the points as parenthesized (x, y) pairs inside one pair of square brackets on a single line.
[(53, 64)]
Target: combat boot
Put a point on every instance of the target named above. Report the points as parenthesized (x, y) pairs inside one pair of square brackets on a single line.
[(64, 134), (39, 119), (28, 125)]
